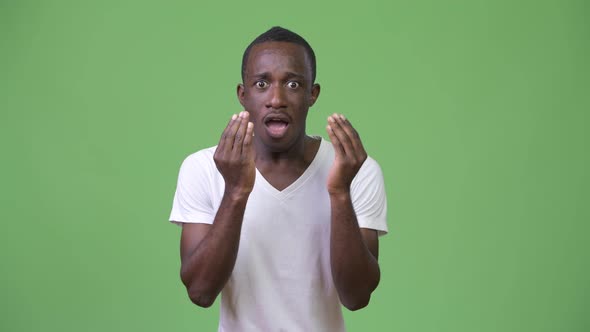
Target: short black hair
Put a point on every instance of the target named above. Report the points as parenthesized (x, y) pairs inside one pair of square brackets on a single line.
[(279, 34)]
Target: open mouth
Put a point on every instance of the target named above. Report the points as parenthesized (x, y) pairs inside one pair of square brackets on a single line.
[(276, 125)]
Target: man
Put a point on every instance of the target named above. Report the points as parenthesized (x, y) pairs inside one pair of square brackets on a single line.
[(283, 224)]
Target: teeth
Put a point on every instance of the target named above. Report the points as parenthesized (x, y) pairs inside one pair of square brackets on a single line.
[(277, 119)]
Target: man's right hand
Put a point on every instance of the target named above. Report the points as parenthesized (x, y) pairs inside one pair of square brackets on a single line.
[(234, 156), (208, 252)]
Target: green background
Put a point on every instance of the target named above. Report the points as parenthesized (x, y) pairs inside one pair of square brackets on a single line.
[(477, 112)]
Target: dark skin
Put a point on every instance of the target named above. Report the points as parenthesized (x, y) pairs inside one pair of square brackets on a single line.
[(277, 86)]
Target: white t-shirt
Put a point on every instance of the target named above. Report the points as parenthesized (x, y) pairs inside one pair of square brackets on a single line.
[(282, 279)]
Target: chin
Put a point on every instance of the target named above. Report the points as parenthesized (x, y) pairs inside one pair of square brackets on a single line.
[(273, 144)]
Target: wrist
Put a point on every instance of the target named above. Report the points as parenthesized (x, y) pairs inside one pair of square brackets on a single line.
[(339, 195), (236, 195)]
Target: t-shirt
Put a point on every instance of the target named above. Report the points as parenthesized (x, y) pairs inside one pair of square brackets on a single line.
[(282, 278)]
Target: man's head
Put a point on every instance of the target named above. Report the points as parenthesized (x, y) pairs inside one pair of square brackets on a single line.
[(278, 74), (278, 34)]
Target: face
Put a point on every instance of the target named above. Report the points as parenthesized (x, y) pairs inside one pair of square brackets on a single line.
[(277, 92)]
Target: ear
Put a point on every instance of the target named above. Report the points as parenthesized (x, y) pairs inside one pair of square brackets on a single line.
[(241, 93), (315, 93)]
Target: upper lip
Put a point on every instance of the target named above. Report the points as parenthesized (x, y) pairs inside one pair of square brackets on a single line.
[(276, 117)]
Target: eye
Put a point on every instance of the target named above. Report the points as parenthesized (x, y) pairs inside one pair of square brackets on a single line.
[(293, 85), (261, 84)]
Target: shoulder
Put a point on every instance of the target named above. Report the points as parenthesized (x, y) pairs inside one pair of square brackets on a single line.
[(200, 158), (202, 155), (199, 163), (369, 176), (370, 165)]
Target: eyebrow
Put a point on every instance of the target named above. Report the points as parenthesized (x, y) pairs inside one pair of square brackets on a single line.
[(291, 74), (266, 75)]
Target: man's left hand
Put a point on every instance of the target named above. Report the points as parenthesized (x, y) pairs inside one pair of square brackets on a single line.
[(350, 154)]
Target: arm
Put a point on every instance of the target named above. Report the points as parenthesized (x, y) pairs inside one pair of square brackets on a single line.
[(353, 251), (208, 252)]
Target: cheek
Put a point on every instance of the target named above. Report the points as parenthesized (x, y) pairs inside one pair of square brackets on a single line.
[(254, 100), (302, 98)]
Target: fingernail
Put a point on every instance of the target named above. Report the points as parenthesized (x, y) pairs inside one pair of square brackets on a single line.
[(234, 117), (331, 119), (342, 117), (241, 114), (250, 125)]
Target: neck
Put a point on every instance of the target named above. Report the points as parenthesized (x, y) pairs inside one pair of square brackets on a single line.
[(297, 152)]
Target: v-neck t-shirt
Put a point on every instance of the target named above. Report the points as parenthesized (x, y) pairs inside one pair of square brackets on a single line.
[(282, 278)]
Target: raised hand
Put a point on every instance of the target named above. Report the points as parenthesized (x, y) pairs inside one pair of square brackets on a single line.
[(350, 154), (234, 156)]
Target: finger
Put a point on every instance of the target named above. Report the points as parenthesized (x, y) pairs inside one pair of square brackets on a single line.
[(335, 141), (247, 145), (240, 133), (230, 134), (351, 133), (222, 140), (341, 134)]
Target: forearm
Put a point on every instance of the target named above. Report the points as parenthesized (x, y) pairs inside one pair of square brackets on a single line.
[(207, 268), (354, 268)]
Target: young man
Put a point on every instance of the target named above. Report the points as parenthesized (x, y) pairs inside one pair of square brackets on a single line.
[(283, 224)]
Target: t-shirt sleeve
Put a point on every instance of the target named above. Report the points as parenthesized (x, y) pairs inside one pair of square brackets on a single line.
[(192, 200), (368, 197)]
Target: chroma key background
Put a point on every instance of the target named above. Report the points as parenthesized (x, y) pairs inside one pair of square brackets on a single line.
[(477, 111)]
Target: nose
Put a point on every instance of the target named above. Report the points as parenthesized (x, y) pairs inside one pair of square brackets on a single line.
[(276, 98)]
